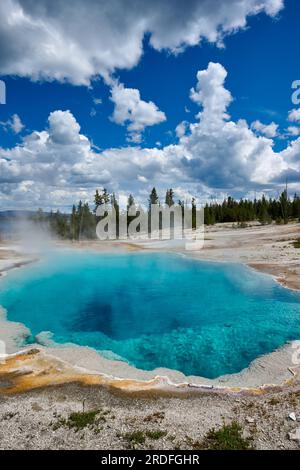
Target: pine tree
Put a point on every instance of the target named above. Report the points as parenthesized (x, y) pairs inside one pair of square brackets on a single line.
[(74, 222), (106, 197), (263, 215), (169, 200), (80, 213), (81, 223), (194, 213), (115, 205), (130, 201), (153, 198), (284, 203), (296, 207), (98, 199)]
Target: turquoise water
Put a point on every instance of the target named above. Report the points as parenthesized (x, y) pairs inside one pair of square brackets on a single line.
[(155, 310)]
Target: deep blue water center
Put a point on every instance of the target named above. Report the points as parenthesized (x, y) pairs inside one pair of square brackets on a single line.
[(155, 310)]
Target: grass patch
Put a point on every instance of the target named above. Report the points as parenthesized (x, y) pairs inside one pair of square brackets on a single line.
[(155, 435), (138, 438), (228, 437), (135, 438), (297, 243), (80, 420)]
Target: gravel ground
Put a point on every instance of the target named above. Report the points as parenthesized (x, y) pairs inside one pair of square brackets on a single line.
[(34, 420)]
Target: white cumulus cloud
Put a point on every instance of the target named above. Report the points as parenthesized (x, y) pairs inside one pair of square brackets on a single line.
[(211, 94), (58, 165), (134, 112), (76, 41), (269, 130), (294, 115), (293, 131), (14, 124), (181, 128)]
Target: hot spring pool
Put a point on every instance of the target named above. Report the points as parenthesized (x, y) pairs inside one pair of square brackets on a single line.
[(155, 310)]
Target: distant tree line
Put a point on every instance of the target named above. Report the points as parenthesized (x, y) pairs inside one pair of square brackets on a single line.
[(81, 223), (280, 210)]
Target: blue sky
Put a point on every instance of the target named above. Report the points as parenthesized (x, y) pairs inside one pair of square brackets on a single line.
[(261, 61)]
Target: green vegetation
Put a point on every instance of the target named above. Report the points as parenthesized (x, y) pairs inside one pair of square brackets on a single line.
[(81, 223), (297, 243), (135, 438), (138, 438), (155, 435), (80, 420), (169, 201), (228, 437), (264, 210)]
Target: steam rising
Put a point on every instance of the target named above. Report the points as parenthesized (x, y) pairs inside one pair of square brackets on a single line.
[(32, 237)]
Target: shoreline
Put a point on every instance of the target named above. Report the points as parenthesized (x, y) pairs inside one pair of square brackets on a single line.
[(37, 366), (268, 371)]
